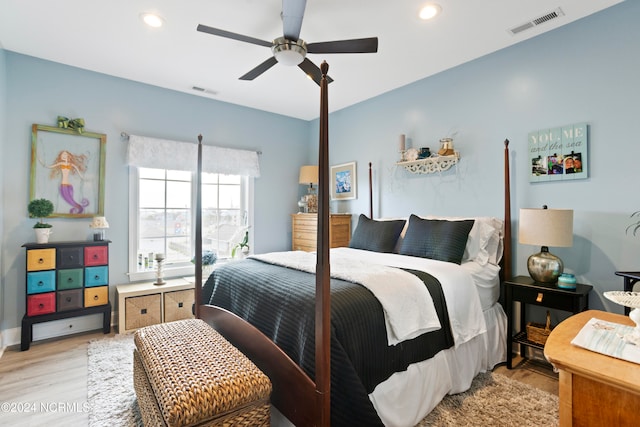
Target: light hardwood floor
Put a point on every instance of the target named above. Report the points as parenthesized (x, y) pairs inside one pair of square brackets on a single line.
[(47, 385)]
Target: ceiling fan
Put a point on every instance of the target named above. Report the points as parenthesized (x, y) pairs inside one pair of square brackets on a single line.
[(290, 49)]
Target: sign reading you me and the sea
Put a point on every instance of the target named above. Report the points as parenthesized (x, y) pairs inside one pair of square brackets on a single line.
[(558, 154)]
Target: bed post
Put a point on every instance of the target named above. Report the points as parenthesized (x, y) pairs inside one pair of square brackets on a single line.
[(323, 271), (198, 254), (370, 193), (507, 264)]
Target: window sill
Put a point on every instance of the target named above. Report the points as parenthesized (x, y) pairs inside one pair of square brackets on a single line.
[(168, 273)]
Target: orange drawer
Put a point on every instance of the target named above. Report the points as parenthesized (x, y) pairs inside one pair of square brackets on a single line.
[(96, 296), (41, 259)]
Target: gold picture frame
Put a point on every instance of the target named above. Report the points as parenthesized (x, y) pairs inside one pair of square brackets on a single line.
[(343, 181), (68, 168)]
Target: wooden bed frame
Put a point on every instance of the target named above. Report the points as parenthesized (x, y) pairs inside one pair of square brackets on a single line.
[(303, 401)]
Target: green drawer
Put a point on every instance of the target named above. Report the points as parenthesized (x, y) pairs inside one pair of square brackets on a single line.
[(70, 278)]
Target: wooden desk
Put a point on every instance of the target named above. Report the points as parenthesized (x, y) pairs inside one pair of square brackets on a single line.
[(595, 390)]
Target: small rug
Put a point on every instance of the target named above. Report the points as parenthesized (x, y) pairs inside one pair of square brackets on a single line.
[(492, 400), (112, 400)]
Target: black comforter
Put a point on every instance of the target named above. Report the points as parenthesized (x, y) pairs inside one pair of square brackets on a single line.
[(280, 302)]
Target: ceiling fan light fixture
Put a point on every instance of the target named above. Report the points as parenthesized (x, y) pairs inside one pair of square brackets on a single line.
[(430, 11), (152, 19), (289, 52)]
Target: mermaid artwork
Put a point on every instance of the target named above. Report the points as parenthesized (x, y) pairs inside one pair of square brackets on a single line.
[(65, 164)]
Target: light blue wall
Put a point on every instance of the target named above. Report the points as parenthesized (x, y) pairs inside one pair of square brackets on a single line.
[(38, 91), (3, 138), (588, 71)]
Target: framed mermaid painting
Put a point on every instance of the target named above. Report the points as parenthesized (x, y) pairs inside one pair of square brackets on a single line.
[(68, 168)]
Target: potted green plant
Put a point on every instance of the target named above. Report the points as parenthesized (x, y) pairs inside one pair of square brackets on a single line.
[(635, 227), (243, 245), (41, 208)]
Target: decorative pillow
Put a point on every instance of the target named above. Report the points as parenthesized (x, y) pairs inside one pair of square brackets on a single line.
[(484, 245), (376, 236), (441, 240)]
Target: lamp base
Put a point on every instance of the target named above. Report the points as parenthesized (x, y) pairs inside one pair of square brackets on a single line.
[(544, 267)]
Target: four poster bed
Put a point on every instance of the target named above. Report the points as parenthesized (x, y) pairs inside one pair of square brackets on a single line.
[(414, 311)]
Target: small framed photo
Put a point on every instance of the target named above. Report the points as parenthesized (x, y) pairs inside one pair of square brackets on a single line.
[(343, 181)]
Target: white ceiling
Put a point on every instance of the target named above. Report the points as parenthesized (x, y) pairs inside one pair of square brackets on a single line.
[(109, 37)]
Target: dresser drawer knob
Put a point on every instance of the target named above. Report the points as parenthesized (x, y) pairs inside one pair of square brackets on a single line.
[(143, 311), (96, 277), (540, 295), (68, 299), (40, 283), (96, 297), (40, 305), (69, 280), (41, 261)]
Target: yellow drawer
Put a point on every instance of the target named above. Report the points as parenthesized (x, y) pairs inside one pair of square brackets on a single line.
[(41, 259), (96, 296)]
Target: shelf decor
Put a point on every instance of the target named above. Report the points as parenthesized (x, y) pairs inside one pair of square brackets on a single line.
[(431, 164)]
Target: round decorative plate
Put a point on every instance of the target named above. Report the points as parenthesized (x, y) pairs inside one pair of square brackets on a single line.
[(627, 299)]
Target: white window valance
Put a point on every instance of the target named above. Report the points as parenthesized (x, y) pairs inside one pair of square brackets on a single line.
[(177, 155)]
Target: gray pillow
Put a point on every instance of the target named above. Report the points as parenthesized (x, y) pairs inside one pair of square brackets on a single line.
[(437, 239), (376, 236)]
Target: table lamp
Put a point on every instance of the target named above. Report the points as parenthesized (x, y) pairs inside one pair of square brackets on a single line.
[(546, 227), (309, 176), (99, 223)]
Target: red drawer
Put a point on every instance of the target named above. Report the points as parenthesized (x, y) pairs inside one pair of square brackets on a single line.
[(96, 255), (41, 304)]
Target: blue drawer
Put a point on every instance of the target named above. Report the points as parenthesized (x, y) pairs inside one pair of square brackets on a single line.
[(96, 276), (41, 281)]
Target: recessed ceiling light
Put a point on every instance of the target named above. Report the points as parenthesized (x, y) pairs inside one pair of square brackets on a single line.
[(152, 19), (429, 11)]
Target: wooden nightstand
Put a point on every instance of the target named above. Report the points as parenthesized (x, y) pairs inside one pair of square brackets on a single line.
[(144, 304), (304, 231), (525, 290)]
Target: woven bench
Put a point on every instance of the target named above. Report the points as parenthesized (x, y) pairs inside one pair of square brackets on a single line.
[(186, 374)]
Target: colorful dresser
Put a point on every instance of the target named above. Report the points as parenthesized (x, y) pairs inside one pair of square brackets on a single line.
[(65, 279)]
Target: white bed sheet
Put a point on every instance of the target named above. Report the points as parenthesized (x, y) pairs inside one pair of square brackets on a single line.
[(407, 397)]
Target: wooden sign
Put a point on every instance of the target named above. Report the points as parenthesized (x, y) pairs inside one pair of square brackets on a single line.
[(559, 154)]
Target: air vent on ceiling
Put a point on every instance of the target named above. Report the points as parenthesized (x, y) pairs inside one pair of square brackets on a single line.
[(204, 90), (554, 14)]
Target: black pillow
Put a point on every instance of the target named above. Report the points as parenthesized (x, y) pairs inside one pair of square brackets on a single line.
[(437, 239), (376, 236)]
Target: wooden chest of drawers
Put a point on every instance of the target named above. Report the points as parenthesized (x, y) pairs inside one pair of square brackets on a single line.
[(65, 279), (304, 231)]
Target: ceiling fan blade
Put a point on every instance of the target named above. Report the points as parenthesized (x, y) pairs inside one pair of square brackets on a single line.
[(368, 45), (292, 14), (313, 71), (260, 69), (234, 36)]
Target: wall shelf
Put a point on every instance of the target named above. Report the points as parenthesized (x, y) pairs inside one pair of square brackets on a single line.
[(431, 164)]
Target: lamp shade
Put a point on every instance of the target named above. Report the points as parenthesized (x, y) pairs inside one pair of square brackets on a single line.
[(546, 227), (99, 222), (308, 175)]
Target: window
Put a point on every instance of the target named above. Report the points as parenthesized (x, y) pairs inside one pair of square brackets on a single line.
[(162, 218)]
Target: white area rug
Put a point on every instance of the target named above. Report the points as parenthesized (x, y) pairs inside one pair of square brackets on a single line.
[(492, 400), (112, 400)]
